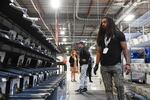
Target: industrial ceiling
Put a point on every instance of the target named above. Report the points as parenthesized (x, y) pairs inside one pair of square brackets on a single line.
[(79, 19)]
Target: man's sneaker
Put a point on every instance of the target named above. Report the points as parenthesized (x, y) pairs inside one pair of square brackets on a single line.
[(79, 90), (84, 89)]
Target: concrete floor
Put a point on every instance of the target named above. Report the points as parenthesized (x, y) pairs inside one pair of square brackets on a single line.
[(95, 89)]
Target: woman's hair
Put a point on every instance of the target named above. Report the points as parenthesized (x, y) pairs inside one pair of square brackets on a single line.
[(109, 31), (72, 52)]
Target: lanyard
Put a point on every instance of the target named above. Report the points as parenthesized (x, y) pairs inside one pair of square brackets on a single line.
[(106, 41)]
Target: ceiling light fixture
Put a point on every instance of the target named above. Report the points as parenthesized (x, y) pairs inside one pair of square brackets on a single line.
[(49, 38), (129, 17), (64, 40), (67, 51), (64, 28), (55, 4), (62, 32)]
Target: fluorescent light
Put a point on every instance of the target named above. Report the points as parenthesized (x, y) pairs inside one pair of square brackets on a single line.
[(12, 1), (129, 17), (4, 79), (67, 51), (93, 47), (84, 41), (62, 32), (55, 4), (64, 28), (20, 76), (67, 48), (64, 40)]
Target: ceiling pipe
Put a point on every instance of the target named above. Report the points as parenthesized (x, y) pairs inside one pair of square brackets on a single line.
[(83, 29), (133, 6), (120, 10), (69, 29), (109, 4), (77, 16), (124, 15), (88, 14), (74, 22), (89, 9)]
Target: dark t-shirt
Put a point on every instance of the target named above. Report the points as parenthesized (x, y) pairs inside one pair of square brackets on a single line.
[(113, 56)]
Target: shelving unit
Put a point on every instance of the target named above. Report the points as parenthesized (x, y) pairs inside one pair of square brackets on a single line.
[(27, 59), (139, 65)]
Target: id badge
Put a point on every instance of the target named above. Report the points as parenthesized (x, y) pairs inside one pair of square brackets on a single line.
[(105, 50)]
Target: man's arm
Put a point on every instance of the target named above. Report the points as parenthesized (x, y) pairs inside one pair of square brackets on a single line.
[(125, 52), (98, 55), (127, 66), (98, 58)]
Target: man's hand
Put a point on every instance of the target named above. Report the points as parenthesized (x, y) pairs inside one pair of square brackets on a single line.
[(127, 69), (95, 68)]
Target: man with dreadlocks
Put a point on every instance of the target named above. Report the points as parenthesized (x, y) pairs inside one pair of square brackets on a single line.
[(111, 43)]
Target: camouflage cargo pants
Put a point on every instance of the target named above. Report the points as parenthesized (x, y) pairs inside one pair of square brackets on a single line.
[(110, 74)]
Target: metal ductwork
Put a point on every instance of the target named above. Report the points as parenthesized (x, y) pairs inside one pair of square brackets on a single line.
[(133, 6), (77, 16)]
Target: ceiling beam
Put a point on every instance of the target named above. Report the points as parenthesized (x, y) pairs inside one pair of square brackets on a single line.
[(120, 10), (109, 3)]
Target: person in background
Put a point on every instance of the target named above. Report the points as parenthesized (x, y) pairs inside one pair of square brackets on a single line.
[(65, 64), (89, 70), (111, 43), (84, 56), (73, 60)]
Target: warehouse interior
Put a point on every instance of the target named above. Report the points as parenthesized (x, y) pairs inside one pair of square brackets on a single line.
[(79, 20), (36, 36)]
